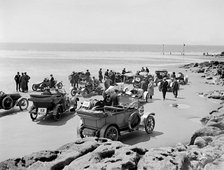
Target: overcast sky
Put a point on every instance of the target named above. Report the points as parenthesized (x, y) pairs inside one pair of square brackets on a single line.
[(113, 21)]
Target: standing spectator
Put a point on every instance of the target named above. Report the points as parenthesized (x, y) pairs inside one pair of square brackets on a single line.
[(27, 78), (175, 87), (96, 83), (76, 79), (87, 74), (114, 98), (150, 88), (23, 83), (107, 83), (112, 77), (163, 87), (106, 74), (52, 84), (100, 75), (123, 73), (17, 80), (173, 75), (144, 84), (147, 70)]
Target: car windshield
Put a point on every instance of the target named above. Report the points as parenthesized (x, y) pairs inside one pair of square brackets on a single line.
[(128, 101)]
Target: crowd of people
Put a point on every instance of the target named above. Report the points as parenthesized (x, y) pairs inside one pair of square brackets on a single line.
[(22, 82), (147, 83)]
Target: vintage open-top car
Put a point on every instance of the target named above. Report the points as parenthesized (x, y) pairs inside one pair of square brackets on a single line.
[(8, 101), (46, 84), (139, 77), (108, 121), (159, 75), (51, 102)]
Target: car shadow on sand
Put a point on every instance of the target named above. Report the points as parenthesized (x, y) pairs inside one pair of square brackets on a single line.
[(10, 112), (49, 120), (138, 136)]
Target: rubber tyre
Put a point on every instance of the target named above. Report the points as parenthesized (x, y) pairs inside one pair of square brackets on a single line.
[(81, 132), (112, 133), (59, 85), (57, 116), (73, 92), (132, 123), (33, 116), (34, 87), (7, 103), (23, 104), (149, 124), (147, 98)]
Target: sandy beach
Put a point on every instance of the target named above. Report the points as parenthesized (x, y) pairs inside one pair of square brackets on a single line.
[(21, 136)]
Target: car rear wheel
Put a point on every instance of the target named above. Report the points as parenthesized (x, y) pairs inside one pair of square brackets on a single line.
[(33, 113), (34, 87), (7, 103), (60, 85), (57, 115), (23, 104), (73, 91), (112, 133), (149, 124)]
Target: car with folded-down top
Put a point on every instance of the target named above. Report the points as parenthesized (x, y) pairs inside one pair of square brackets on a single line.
[(100, 120)]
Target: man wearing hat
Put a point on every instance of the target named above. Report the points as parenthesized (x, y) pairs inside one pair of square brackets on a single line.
[(51, 81), (164, 86)]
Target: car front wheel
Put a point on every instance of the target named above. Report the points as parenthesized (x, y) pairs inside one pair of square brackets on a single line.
[(149, 124), (112, 133)]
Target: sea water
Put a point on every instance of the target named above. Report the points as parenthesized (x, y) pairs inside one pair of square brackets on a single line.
[(40, 64)]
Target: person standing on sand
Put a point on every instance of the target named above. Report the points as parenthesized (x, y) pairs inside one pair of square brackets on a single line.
[(163, 87), (150, 88), (175, 87), (107, 83), (27, 78), (23, 83), (17, 80), (100, 75), (106, 74), (51, 81)]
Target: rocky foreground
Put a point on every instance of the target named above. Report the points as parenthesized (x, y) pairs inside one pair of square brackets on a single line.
[(204, 151)]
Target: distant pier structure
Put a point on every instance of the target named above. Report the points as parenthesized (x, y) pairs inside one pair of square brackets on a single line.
[(163, 49)]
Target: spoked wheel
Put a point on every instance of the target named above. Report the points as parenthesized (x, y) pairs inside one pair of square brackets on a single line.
[(73, 91), (57, 115), (7, 103), (133, 121), (34, 87), (112, 133), (81, 133), (149, 124), (147, 98), (60, 85), (33, 115), (23, 104)]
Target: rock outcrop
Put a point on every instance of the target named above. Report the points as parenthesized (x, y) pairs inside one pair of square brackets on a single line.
[(212, 71)]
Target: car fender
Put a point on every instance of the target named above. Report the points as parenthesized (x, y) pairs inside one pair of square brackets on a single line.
[(78, 128), (55, 109), (144, 117), (17, 101)]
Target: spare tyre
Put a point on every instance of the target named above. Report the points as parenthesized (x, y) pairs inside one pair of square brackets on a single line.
[(7, 103), (134, 121)]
